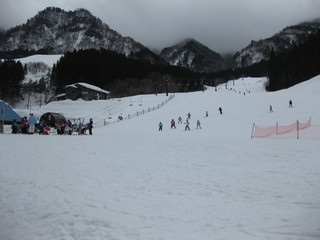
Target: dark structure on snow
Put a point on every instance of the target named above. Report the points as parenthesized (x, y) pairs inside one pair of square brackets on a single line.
[(51, 119), (85, 91)]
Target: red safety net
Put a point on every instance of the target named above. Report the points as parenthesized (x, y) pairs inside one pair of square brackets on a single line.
[(305, 125), (293, 130), (262, 132), (282, 129)]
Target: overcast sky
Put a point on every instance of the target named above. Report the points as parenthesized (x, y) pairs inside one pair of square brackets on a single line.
[(222, 25)]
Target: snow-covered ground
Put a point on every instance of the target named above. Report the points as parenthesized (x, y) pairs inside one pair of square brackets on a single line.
[(47, 59), (130, 181)]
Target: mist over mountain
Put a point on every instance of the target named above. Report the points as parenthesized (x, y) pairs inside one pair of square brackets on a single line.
[(194, 55), (55, 31)]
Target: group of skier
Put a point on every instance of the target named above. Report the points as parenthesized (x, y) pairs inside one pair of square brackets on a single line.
[(187, 123), (25, 126), (30, 126)]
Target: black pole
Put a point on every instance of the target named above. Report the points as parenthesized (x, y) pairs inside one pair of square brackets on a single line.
[(167, 88)]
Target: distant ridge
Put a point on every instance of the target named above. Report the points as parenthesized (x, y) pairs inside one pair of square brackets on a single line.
[(278, 43), (55, 31), (191, 54)]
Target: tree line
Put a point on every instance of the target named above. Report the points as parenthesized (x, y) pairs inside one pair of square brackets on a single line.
[(126, 76), (296, 66), (11, 77), (119, 74)]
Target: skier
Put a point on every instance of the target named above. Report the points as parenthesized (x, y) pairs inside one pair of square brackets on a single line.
[(160, 126), (207, 114), (189, 116), (290, 104), (179, 120), (220, 110), (270, 109), (173, 124), (187, 125), (198, 124)]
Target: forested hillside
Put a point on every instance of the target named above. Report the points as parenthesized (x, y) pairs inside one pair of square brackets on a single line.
[(119, 74), (298, 65)]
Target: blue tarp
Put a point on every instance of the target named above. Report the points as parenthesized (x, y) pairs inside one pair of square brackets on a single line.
[(7, 114)]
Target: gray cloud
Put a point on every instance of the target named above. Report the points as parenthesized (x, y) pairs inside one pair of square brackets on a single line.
[(223, 26)]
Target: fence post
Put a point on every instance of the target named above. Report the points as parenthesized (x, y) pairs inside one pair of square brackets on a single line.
[(297, 129), (252, 130), (277, 128)]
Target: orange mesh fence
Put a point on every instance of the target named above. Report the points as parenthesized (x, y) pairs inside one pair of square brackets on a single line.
[(311, 132), (262, 132), (286, 129), (305, 125), (294, 130)]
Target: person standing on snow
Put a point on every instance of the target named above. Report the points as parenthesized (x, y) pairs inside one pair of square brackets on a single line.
[(41, 126), (24, 125), (270, 109), (160, 126), (179, 120), (187, 125), (198, 124), (173, 123), (220, 110), (290, 104), (90, 126), (14, 126), (32, 123)]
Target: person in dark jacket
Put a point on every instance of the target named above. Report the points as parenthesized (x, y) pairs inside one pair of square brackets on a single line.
[(173, 123), (90, 126), (14, 126), (160, 126), (25, 125)]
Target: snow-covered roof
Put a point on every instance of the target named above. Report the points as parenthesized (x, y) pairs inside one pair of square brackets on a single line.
[(89, 86), (72, 86)]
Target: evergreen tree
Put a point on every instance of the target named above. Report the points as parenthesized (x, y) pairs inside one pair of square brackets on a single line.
[(11, 76)]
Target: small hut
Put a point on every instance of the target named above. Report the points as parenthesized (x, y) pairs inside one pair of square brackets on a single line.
[(51, 119)]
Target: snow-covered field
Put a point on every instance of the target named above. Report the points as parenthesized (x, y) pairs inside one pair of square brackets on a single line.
[(130, 181)]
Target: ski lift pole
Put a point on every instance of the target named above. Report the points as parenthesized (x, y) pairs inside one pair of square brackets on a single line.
[(2, 111)]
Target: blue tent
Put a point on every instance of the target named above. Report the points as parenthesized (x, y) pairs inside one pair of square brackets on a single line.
[(7, 114)]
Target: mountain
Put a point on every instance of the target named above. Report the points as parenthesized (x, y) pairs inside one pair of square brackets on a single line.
[(56, 31), (193, 55), (281, 42)]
